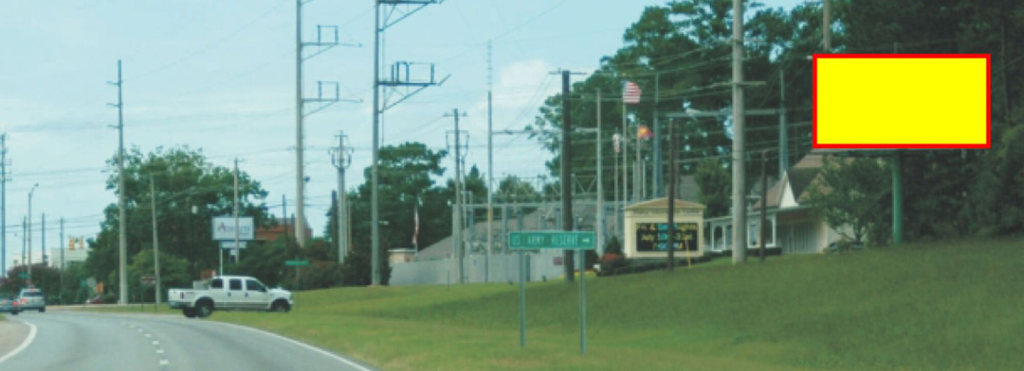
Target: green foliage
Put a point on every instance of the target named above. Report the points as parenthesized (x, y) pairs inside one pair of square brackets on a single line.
[(173, 273), (265, 261), (183, 180), (356, 268), (715, 185), (850, 193)]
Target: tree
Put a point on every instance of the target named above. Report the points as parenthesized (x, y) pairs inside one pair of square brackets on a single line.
[(265, 261), (848, 194), (173, 273), (185, 181), (715, 185)]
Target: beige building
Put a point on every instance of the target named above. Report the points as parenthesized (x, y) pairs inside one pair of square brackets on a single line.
[(646, 234)]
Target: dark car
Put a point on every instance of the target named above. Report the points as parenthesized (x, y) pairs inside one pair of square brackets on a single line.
[(98, 299), (8, 305)]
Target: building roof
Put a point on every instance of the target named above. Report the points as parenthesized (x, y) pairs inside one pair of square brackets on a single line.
[(662, 203), (798, 178)]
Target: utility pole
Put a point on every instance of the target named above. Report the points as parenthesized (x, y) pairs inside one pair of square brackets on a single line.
[(672, 196), (739, 182), (42, 242), (600, 229), (3, 203), (764, 204), (398, 80), (826, 25), (783, 131), (321, 46), (342, 157), (659, 182), (24, 240), (156, 241), (237, 227), (122, 243), (490, 167), (566, 171), (63, 267), (460, 250), (29, 229), (284, 219), (625, 158)]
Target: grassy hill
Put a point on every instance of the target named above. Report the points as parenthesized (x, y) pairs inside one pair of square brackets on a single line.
[(938, 306)]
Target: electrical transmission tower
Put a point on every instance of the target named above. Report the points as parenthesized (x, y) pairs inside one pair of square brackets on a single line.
[(326, 38), (341, 157), (403, 84)]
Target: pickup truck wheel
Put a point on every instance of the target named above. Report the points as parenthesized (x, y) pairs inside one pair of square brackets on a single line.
[(280, 306), (14, 312), (42, 310), (204, 308), (189, 312)]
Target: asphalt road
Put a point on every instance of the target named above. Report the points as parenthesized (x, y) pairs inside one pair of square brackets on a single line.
[(68, 340)]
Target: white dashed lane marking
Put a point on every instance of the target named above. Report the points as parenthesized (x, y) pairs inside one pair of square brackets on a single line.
[(164, 362), (159, 351), (155, 342)]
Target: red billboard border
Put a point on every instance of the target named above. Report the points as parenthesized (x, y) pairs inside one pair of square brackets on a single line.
[(988, 104)]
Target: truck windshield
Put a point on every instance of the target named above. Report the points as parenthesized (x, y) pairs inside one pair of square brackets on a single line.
[(32, 294)]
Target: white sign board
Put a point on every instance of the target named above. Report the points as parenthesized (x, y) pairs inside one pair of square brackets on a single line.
[(224, 228), (231, 244)]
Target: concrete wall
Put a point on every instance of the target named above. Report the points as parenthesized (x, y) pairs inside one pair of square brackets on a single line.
[(503, 268)]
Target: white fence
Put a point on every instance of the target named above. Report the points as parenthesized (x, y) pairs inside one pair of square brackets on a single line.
[(503, 268)]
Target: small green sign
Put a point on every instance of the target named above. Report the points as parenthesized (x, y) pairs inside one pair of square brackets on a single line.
[(551, 240), (23, 275), (296, 263)]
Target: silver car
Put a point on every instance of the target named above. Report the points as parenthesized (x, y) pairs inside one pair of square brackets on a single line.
[(30, 299), (8, 305)]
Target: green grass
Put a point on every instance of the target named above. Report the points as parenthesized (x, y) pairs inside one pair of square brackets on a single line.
[(941, 306)]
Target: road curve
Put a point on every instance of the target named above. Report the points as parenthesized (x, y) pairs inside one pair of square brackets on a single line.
[(68, 340)]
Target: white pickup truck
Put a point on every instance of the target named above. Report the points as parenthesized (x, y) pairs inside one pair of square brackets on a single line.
[(228, 293)]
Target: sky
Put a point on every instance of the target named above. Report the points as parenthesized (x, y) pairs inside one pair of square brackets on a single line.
[(220, 76)]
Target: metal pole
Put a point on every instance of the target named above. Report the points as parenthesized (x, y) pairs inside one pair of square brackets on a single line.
[(62, 266), (29, 232), (3, 204), (671, 196), (897, 198), (522, 299), (739, 183), (637, 165), (460, 246), (375, 211), (42, 242), (300, 181), (783, 131), (601, 225), (490, 169), (764, 204), (237, 227), (122, 263), (826, 29), (659, 183), (566, 170), (625, 157), (583, 304), (342, 200), (156, 240)]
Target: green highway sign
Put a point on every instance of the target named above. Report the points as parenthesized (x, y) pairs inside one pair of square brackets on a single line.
[(22, 275), (296, 263), (551, 240)]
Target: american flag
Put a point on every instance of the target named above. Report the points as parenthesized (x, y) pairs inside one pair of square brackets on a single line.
[(631, 93)]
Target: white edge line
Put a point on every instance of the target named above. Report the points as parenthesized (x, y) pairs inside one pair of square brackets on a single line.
[(299, 343), (24, 344)]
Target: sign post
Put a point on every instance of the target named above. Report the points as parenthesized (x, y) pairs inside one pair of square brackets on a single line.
[(296, 263), (557, 240)]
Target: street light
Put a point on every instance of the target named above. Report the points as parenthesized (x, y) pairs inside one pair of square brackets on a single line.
[(30, 192)]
